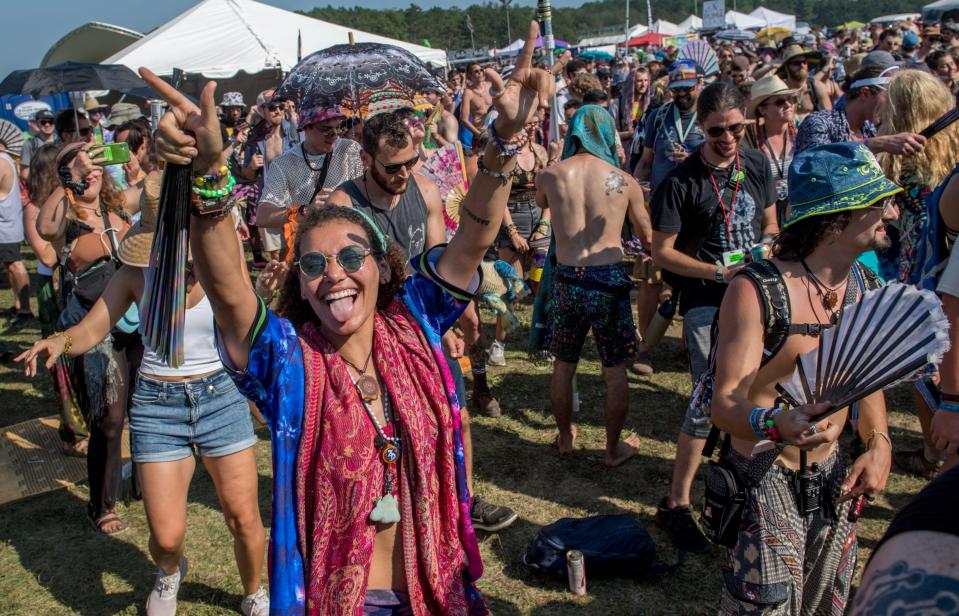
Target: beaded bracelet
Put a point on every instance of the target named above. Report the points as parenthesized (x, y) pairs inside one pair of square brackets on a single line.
[(763, 423), (952, 407), (219, 192), (512, 147), (213, 180), (512, 229), (504, 178)]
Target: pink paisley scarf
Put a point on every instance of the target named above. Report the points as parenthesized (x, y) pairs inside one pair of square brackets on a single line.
[(339, 475)]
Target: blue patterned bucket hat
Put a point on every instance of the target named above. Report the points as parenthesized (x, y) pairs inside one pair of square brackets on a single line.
[(835, 177)]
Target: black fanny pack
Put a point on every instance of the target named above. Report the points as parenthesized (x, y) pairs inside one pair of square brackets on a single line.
[(724, 499)]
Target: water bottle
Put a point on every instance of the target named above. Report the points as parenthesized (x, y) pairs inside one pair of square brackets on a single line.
[(660, 322)]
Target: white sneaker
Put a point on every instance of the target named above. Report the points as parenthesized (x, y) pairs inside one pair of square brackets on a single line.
[(162, 599), (497, 354), (257, 604)]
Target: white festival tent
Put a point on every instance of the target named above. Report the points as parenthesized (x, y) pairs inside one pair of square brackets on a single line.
[(742, 21), (691, 23), (774, 19), (219, 38), (661, 26)]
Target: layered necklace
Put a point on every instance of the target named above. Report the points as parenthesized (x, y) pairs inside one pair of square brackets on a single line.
[(829, 296)]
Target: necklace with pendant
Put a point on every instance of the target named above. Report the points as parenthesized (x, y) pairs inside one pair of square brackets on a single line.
[(827, 295), (386, 509), (367, 386)]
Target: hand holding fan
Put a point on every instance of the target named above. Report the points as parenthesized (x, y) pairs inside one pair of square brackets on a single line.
[(891, 335)]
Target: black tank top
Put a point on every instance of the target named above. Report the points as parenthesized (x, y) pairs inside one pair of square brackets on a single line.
[(405, 224)]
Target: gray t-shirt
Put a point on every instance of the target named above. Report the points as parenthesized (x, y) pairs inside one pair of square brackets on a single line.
[(405, 224), (30, 146)]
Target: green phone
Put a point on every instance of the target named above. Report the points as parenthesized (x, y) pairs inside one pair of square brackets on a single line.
[(115, 153)]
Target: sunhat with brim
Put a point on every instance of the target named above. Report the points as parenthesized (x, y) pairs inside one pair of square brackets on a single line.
[(762, 89), (138, 241), (122, 113), (836, 177), (795, 50)]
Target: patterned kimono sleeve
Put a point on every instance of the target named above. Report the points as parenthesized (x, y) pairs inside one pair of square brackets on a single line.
[(274, 371), (431, 298)]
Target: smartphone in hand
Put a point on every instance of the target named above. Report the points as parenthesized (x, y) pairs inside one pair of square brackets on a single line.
[(113, 154)]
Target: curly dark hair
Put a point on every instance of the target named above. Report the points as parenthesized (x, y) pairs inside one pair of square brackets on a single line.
[(800, 239), (291, 303), (387, 126)]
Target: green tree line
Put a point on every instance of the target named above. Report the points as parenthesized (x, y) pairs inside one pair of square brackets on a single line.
[(448, 28)]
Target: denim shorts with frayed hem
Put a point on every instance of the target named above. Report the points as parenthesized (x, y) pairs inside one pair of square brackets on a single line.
[(169, 420)]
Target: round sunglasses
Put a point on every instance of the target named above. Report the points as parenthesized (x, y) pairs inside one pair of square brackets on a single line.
[(350, 258)]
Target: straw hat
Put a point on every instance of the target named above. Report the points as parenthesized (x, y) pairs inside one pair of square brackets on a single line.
[(794, 50), (768, 86), (93, 104), (137, 243)]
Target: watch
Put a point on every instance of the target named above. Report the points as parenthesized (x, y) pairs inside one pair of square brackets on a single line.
[(720, 274)]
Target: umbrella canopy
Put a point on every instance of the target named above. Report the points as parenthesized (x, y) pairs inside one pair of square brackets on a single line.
[(735, 35), (853, 25), (76, 77), (342, 72), (650, 38), (595, 54), (768, 36)]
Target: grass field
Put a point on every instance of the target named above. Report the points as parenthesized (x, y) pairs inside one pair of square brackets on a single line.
[(52, 563)]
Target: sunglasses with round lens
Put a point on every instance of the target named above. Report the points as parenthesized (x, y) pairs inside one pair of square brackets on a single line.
[(394, 168), (329, 131), (735, 130), (350, 258)]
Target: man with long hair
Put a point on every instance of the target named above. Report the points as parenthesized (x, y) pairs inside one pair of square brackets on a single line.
[(796, 547)]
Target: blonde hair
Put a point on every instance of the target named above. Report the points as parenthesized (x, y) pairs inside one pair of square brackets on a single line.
[(914, 100)]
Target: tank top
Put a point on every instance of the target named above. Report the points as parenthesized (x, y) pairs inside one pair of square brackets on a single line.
[(11, 208), (405, 224), (200, 353)]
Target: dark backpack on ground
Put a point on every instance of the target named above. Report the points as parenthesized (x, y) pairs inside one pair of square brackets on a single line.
[(612, 546)]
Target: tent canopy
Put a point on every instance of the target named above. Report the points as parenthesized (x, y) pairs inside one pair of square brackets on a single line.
[(601, 41), (691, 23), (650, 38), (90, 43), (219, 38), (661, 26), (774, 19), (742, 21)]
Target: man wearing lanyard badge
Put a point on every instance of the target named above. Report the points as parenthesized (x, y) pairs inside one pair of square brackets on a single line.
[(671, 134), (707, 215)]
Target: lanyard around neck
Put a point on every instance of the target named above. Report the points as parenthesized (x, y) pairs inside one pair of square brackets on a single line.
[(727, 216), (678, 123)]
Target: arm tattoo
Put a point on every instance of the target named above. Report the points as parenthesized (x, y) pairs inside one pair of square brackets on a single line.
[(904, 590), (477, 219), (615, 182)]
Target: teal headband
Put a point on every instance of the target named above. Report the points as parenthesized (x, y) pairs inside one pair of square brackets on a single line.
[(376, 230)]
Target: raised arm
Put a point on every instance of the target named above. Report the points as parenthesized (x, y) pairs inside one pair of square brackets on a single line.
[(216, 252), (483, 206)]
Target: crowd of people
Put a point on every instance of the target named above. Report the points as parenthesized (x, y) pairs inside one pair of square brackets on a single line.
[(753, 200)]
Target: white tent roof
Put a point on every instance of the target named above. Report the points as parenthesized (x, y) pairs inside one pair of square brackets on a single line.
[(742, 21), (603, 41), (661, 26), (774, 19), (218, 38), (91, 43), (638, 30), (885, 19), (691, 23)]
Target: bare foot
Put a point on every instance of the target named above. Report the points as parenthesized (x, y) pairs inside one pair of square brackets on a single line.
[(625, 450), (565, 446)]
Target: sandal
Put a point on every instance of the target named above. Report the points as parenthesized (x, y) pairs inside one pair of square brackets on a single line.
[(105, 519), (77, 449)]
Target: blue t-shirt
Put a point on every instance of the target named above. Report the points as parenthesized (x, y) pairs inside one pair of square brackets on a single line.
[(274, 380), (661, 134)]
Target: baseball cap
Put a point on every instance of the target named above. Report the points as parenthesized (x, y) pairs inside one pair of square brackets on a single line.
[(910, 40), (684, 74), (603, 71), (879, 58), (44, 114)]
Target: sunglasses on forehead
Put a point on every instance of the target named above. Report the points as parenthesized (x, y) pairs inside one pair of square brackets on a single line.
[(733, 129), (350, 258), (394, 168)]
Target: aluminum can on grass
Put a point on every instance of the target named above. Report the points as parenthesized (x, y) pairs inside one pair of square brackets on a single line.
[(576, 571)]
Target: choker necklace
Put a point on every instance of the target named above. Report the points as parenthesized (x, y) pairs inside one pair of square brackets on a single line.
[(827, 295), (365, 384)]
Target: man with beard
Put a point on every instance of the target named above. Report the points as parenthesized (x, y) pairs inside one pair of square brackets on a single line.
[(795, 549), (407, 208), (707, 213), (812, 95), (477, 101), (671, 135), (853, 119)]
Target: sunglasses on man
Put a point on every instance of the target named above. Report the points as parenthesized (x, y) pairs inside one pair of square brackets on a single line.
[(45, 122), (329, 131), (351, 258), (275, 106), (736, 130), (394, 168)]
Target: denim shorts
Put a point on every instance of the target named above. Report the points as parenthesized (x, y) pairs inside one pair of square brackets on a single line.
[(167, 420), (697, 330)]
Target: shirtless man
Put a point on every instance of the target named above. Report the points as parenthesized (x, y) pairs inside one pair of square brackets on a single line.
[(477, 101), (590, 285), (813, 95), (785, 560)]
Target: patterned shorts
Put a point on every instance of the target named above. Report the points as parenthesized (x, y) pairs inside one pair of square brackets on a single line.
[(784, 562), (592, 297)]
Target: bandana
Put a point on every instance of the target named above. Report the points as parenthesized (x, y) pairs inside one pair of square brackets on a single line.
[(591, 130)]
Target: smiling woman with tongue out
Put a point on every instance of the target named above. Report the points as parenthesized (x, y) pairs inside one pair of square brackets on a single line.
[(370, 505)]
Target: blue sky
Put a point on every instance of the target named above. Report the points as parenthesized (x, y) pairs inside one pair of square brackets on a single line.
[(41, 23)]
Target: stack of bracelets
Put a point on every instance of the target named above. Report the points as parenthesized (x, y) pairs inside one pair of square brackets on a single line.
[(950, 403), (210, 194), (545, 227), (763, 423), (507, 149)]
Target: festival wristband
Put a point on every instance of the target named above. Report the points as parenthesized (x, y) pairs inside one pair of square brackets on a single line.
[(214, 209), (952, 407)]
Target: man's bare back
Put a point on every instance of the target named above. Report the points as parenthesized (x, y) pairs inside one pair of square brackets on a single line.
[(590, 200)]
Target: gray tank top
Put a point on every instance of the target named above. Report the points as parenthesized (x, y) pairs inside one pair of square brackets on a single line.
[(405, 224)]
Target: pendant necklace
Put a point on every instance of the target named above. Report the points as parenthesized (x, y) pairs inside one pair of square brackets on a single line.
[(386, 509), (827, 295), (365, 384)]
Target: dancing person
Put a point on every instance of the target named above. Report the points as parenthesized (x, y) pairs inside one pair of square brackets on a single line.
[(476, 104), (85, 214), (787, 559), (590, 198), (380, 518), (672, 134), (173, 411), (707, 213), (773, 106), (41, 182)]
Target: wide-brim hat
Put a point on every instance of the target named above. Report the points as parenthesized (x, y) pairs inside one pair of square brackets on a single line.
[(795, 50), (768, 86), (836, 177), (136, 244), (122, 113)]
